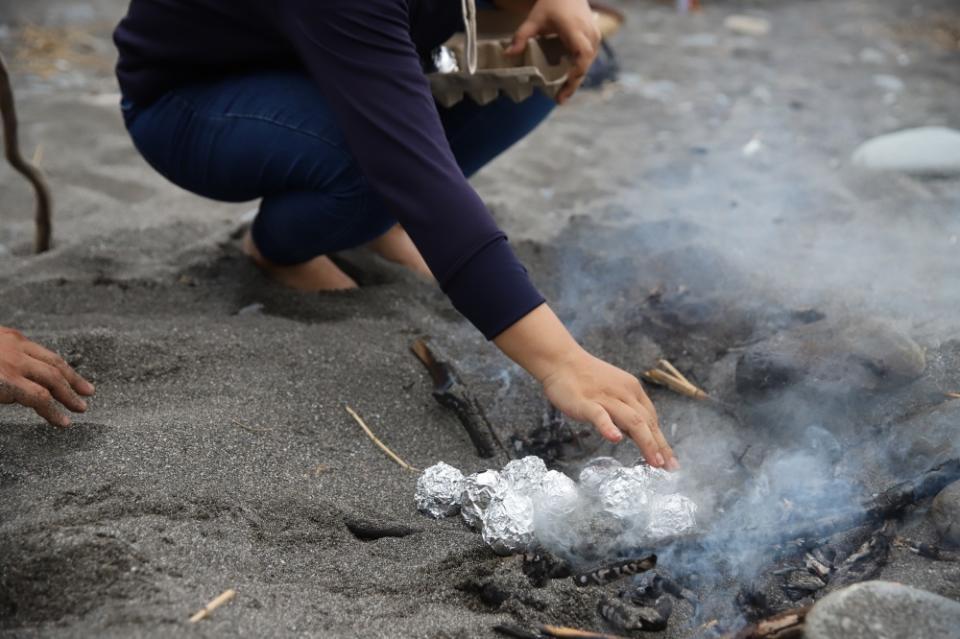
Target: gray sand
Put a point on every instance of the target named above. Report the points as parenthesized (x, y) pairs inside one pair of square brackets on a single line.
[(218, 454)]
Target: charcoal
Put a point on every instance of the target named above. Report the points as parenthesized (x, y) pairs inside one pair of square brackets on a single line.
[(625, 615), (800, 584), (616, 570), (540, 567), (863, 564)]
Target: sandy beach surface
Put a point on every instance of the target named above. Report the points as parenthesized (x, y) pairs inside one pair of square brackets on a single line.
[(714, 178)]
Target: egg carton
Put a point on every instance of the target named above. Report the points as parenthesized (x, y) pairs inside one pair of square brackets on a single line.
[(475, 63)]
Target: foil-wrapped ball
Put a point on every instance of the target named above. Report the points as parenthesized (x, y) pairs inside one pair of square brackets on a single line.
[(558, 494), (651, 474), (624, 493), (525, 475), (671, 515), (508, 523), (438, 490), (596, 472), (555, 512), (479, 489)]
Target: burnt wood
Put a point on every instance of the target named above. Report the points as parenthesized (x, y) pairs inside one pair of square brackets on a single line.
[(450, 392)]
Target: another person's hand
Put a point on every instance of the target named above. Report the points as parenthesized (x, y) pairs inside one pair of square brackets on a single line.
[(37, 378), (573, 21), (586, 388)]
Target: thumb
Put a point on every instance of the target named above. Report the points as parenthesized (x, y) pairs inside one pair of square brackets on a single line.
[(529, 29)]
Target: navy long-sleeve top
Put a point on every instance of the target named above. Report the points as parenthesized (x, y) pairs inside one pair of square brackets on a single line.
[(365, 57)]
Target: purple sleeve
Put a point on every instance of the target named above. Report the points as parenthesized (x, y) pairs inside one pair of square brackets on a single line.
[(367, 66)]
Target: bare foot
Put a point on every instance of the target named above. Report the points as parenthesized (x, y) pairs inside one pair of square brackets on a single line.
[(397, 247), (319, 274)]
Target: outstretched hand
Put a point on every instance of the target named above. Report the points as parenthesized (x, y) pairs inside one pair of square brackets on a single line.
[(591, 390), (573, 22), (585, 388), (32, 376)]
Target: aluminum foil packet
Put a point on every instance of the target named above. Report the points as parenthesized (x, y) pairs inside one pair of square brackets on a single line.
[(508, 523), (525, 475), (558, 496), (624, 493), (438, 490), (596, 472), (479, 489), (671, 515)]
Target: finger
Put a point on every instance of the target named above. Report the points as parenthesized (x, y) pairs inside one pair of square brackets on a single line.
[(636, 423), (78, 383), (32, 395), (582, 53), (529, 29), (597, 416), (53, 380), (670, 458)]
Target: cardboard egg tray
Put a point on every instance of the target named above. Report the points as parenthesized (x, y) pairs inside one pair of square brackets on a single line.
[(484, 70)]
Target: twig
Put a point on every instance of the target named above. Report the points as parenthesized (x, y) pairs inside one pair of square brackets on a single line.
[(249, 429), (952, 395), (8, 113), (785, 625), (667, 375), (221, 599), (563, 632), (366, 429)]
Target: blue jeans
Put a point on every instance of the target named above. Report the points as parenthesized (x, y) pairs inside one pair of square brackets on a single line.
[(272, 135)]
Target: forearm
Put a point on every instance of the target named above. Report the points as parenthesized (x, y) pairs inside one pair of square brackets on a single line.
[(539, 342)]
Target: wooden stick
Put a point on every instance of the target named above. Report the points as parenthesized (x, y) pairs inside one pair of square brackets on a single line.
[(450, 392), (952, 395), (676, 384), (8, 113), (670, 367), (221, 599), (392, 455), (563, 632)]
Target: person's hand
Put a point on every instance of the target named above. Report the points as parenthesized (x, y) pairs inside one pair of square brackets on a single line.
[(32, 376), (585, 388), (573, 21), (590, 390)]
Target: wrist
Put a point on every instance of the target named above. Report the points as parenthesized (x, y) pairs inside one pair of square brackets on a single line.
[(541, 344)]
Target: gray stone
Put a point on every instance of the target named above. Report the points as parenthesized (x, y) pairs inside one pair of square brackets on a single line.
[(945, 513), (924, 151), (883, 610), (832, 356)]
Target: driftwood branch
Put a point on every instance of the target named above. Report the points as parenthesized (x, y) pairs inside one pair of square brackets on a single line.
[(8, 112), (450, 392)]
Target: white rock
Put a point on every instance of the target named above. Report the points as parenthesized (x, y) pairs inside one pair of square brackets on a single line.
[(753, 147), (930, 150), (747, 25)]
